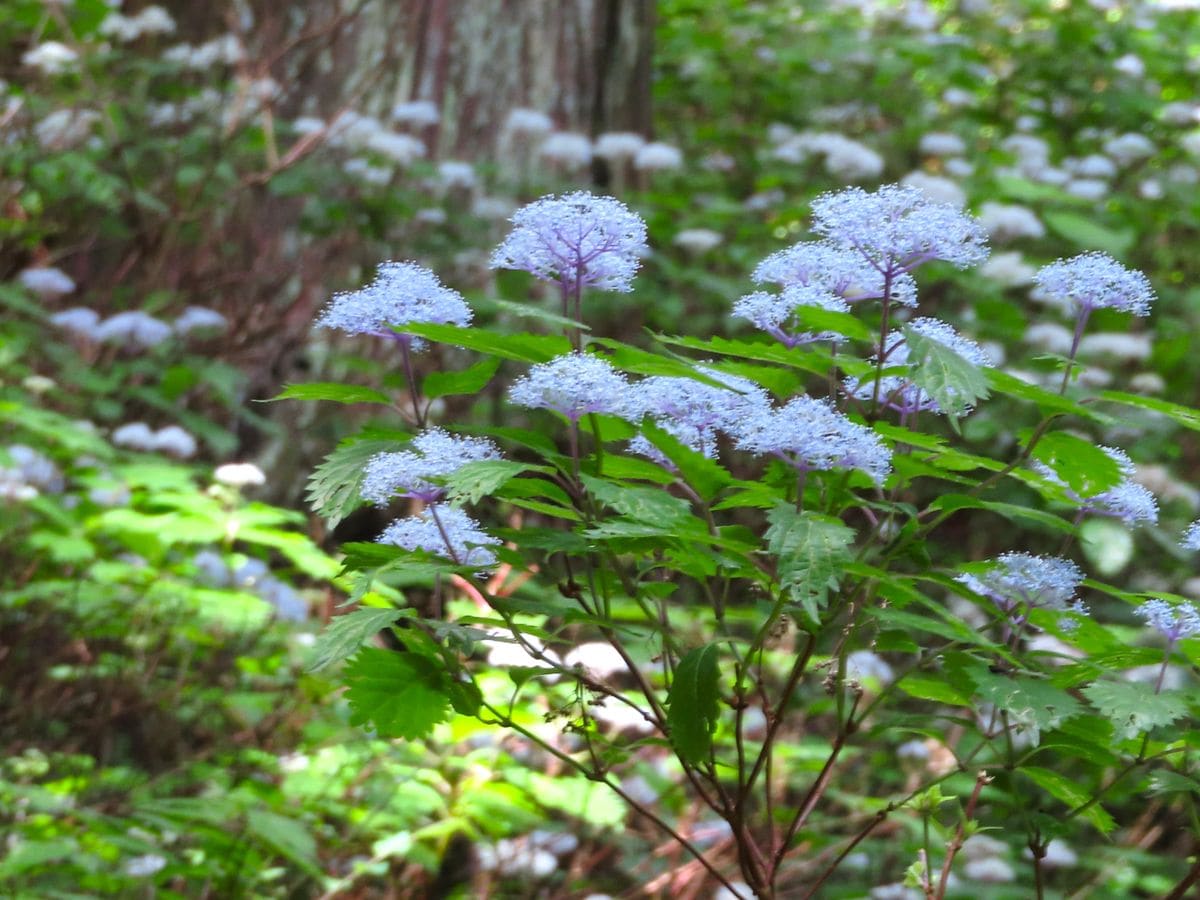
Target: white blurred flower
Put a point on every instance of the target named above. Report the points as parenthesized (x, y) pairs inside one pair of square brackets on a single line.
[(1005, 222), (657, 156), (619, 145), (419, 113), (144, 866), (1147, 383), (46, 281), (528, 121), (568, 149), (940, 143), (175, 441), (937, 189), (65, 127), (990, 871), (598, 659), (1118, 345), (697, 240), (1129, 148), (1130, 64), (1008, 269), (1151, 189), (197, 318), (239, 475), (1088, 188), (453, 173), (51, 58), (959, 168), (863, 665)]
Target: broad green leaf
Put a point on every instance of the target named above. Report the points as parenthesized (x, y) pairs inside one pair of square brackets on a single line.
[(1085, 468), (468, 381), (932, 687), (401, 695), (1166, 781), (812, 549), (955, 502), (813, 318), (954, 383), (339, 393), (1089, 234), (1134, 708), (1182, 415), (530, 311), (1060, 787), (692, 704), (1047, 401), (706, 476), (1025, 699), (345, 634), (334, 487)]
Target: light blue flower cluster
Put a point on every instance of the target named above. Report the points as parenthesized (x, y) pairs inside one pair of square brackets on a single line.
[(575, 385), (1173, 622), (1093, 281), (810, 434), (444, 531), (1020, 582), (693, 412), (898, 228), (402, 293), (898, 391), (577, 240), (1128, 501), (436, 454), (833, 269)]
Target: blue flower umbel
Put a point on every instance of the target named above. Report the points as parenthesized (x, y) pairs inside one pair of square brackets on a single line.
[(1020, 582), (436, 454)]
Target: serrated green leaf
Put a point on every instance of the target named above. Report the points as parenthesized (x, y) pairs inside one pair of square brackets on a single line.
[(1135, 709), (649, 505), (1060, 787), (401, 695), (338, 393), (812, 549), (532, 348), (706, 475), (286, 836), (931, 687), (345, 634), (476, 480), (692, 704), (1027, 700), (334, 489), (468, 381), (955, 384)]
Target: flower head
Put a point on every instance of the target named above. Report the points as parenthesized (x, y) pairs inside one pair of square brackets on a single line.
[(402, 293), (1128, 501), (406, 474), (1096, 281), (837, 270), (1174, 622), (1019, 582), (898, 228), (576, 239), (692, 411), (898, 391), (134, 328), (574, 385), (444, 531), (810, 434)]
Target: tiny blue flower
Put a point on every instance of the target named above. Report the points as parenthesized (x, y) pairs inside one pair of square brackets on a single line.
[(1096, 281), (898, 228), (811, 434), (1191, 537), (406, 474), (444, 531), (402, 293), (578, 240), (575, 385), (776, 313), (841, 271)]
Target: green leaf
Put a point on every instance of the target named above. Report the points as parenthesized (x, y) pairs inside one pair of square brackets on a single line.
[(288, 837), (1047, 401), (1089, 234), (1060, 787), (1181, 415), (706, 475), (812, 549), (954, 383), (532, 348), (813, 318), (931, 687), (1085, 468), (1027, 700), (335, 486), (653, 506), (477, 480), (468, 381), (401, 695), (955, 502), (693, 709), (339, 393), (345, 634), (1134, 708)]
